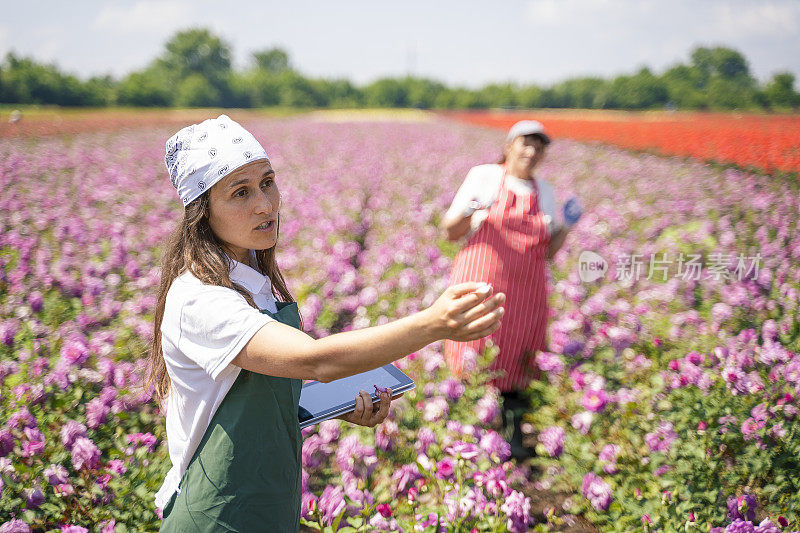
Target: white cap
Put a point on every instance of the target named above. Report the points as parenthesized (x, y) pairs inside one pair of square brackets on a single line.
[(200, 155), (527, 127)]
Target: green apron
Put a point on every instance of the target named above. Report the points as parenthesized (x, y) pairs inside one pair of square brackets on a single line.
[(245, 475)]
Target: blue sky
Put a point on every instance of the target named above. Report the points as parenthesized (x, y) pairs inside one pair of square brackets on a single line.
[(467, 43)]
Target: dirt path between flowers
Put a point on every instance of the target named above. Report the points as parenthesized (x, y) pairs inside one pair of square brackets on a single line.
[(542, 501)]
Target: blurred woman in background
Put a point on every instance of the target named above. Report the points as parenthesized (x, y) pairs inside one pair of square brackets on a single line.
[(509, 219)]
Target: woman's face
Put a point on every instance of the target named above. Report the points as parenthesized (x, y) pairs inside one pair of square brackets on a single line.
[(243, 210), (523, 154)]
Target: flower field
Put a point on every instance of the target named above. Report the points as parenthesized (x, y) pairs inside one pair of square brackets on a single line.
[(669, 395), (770, 142)]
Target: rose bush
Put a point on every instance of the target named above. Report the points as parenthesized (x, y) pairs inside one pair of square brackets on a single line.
[(664, 401)]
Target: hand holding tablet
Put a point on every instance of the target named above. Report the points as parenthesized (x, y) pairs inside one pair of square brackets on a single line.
[(369, 413), (322, 401)]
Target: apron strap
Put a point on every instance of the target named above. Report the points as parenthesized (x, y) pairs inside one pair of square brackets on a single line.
[(288, 313)]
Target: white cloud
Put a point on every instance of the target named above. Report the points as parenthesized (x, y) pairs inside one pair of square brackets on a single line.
[(757, 20), (714, 19), (557, 12), (545, 12), (614, 36), (566, 13), (541, 41), (151, 16), (48, 50)]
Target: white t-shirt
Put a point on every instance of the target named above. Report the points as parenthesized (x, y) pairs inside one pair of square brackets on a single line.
[(483, 184), (203, 330)]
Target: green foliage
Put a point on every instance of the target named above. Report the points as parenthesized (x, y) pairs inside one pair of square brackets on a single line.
[(256, 87), (720, 61), (641, 91), (386, 92), (298, 91), (499, 95), (196, 64), (99, 91), (146, 88), (423, 93), (780, 92), (197, 52), (274, 60), (684, 87), (196, 91), (577, 92), (88, 505), (436, 491), (195, 70), (727, 93), (339, 92), (24, 81), (714, 456)]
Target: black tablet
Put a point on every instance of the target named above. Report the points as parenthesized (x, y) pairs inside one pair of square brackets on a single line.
[(322, 401)]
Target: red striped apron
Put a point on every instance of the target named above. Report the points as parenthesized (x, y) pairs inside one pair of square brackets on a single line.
[(508, 251)]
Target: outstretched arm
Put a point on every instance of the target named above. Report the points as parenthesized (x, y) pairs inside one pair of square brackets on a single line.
[(460, 314)]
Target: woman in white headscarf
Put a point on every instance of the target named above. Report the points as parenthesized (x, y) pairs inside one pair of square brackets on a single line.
[(229, 354)]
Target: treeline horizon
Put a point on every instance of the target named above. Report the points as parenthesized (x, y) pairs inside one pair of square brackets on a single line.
[(195, 70)]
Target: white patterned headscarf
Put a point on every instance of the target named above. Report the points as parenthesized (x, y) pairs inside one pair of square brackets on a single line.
[(200, 155)]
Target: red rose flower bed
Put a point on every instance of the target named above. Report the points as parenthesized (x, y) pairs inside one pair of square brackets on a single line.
[(769, 142)]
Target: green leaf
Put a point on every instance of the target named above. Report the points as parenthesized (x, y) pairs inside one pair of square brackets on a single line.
[(335, 525), (356, 521)]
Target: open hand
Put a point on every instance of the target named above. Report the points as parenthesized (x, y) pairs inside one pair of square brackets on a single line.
[(463, 313)]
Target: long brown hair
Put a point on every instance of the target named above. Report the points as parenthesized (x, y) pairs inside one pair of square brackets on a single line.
[(194, 246)]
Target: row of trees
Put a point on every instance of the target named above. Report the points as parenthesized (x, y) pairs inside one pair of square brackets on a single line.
[(195, 70)]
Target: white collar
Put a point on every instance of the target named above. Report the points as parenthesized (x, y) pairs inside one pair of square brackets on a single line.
[(526, 184), (250, 278)]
